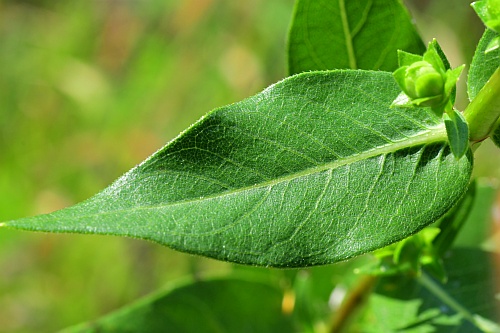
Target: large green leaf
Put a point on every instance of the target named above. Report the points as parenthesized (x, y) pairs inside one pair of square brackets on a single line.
[(466, 303), (315, 169), (483, 64), (364, 34), (218, 305)]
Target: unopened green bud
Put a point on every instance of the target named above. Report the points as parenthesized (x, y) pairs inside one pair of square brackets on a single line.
[(423, 80), (426, 80)]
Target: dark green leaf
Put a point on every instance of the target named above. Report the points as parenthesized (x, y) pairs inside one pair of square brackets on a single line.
[(458, 132), (477, 228), (362, 34), (464, 304), (483, 64), (495, 135), (451, 224), (315, 169), (219, 306)]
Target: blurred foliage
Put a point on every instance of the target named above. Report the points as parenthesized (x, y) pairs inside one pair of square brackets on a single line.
[(90, 88)]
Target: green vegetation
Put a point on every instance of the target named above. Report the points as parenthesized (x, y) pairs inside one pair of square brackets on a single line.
[(321, 167)]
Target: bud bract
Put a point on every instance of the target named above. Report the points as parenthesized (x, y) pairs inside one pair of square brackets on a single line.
[(426, 80), (423, 80)]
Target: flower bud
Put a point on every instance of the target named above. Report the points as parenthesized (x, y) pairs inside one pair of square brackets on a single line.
[(426, 80), (422, 80)]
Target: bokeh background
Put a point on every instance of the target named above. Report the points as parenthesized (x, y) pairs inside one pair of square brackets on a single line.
[(90, 88)]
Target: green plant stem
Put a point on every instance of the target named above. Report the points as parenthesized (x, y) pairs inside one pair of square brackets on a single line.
[(442, 295), (354, 300), (484, 110)]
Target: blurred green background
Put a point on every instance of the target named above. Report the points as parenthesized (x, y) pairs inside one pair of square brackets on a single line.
[(90, 88)]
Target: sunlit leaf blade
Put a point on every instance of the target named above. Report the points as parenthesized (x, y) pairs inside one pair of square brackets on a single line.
[(483, 64), (341, 34), (219, 305), (488, 12), (315, 169), (465, 304), (482, 68)]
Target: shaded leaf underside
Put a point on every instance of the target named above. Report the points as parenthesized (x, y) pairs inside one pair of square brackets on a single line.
[(315, 169)]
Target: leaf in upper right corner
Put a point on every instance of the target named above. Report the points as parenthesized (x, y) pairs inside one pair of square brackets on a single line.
[(489, 12), (483, 64), (402, 304), (363, 34), (458, 132)]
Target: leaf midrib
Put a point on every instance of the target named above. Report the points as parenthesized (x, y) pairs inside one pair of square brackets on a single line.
[(432, 135), (347, 35)]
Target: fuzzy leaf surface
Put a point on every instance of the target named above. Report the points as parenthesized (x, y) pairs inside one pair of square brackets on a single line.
[(342, 34), (315, 169)]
